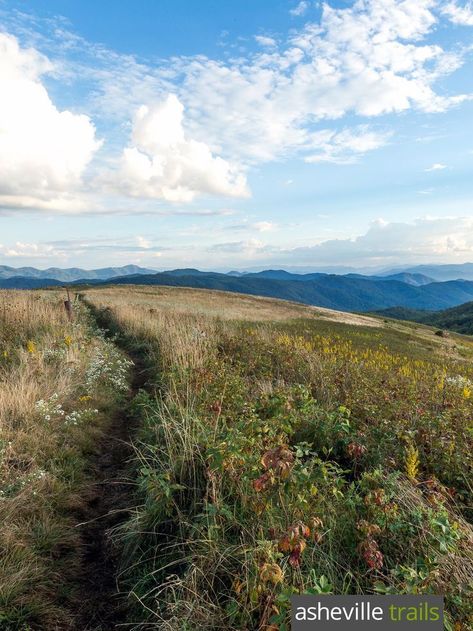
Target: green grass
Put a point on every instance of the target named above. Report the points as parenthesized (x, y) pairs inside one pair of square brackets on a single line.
[(295, 456)]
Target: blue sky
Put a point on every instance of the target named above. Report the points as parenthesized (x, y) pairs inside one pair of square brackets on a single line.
[(225, 135)]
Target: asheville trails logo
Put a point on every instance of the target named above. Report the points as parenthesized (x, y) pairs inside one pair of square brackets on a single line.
[(418, 613)]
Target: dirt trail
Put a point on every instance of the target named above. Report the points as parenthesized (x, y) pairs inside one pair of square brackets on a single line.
[(106, 505)]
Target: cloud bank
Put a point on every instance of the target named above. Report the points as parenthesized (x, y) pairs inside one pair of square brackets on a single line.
[(202, 125), (162, 163), (43, 151)]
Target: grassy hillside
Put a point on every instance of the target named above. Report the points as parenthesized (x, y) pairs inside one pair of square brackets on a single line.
[(60, 382), (285, 450), (278, 448), (334, 292), (459, 319)]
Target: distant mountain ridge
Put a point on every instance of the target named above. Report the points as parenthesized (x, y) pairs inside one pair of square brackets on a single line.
[(344, 293), (352, 292), (463, 271), (71, 274), (405, 277)]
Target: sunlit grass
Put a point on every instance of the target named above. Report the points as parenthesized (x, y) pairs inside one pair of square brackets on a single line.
[(289, 453), (55, 389)]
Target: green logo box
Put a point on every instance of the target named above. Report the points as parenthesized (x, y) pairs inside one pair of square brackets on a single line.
[(386, 613)]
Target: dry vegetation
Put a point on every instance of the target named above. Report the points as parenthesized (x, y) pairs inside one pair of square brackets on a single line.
[(227, 305), (279, 449), (282, 453), (58, 383)]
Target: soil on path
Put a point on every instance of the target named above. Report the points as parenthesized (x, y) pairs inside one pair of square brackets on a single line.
[(106, 505)]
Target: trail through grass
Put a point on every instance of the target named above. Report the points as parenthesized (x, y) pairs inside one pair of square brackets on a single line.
[(293, 455), (64, 452)]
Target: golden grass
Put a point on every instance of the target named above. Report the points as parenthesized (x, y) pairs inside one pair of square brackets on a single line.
[(222, 304), (270, 375), (44, 360), (148, 303)]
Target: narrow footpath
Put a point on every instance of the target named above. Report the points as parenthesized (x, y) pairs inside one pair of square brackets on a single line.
[(107, 504)]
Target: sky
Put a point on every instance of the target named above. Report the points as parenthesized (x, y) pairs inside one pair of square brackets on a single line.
[(243, 134)]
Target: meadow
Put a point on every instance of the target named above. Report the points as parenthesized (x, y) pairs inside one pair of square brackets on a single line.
[(277, 449), (60, 382), (283, 450)]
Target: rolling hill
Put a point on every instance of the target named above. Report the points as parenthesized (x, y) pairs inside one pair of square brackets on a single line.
[(351, 292), (459, 319), (334, 292)]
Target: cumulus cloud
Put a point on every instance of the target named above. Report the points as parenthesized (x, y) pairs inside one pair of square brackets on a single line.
[(43, 151), (462, 15), (373, 58), (162, 163), (300, 9)]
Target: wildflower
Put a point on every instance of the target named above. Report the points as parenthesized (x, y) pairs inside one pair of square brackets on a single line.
[(68, 341), (412, 462), (31, 347)]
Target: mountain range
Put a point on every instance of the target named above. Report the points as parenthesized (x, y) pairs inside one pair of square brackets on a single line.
[(408, 289), (71, 274)]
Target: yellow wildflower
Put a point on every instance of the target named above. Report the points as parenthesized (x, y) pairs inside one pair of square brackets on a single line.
[(412, 462), (31, 347)]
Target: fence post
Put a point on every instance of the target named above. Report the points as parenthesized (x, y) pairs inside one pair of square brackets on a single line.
[(68, 306)]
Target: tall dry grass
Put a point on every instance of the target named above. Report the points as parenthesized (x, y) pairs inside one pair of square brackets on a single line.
[(273, 461), (48, 428)]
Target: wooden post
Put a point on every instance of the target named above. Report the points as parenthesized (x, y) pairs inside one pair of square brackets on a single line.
[(68, 306)]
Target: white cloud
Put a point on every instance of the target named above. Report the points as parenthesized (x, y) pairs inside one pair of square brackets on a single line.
[(43, 151), (264, 40), (257, 226), (424, 240), (300, 9), (162, 163), (437, 166), (445, 239), (368, 60), (346, 146), (462, 15), (28, 250), (144, 243), (249, 248)]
